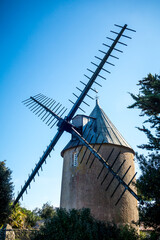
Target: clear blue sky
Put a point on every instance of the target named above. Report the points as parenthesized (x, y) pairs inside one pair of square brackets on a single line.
[(46, 47)]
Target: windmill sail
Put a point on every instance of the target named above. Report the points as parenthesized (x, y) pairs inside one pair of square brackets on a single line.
[(96, 73), (49, 110)]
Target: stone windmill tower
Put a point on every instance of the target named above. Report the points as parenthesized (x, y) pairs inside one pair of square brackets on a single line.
[(86, 183)]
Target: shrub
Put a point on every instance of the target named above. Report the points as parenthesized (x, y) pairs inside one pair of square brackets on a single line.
[(80, 224)]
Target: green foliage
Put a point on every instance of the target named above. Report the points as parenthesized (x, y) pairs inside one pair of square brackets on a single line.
[(6, 192), (79, 224), (149, 182), (46, 212), (31, 218), (148, 100), (22, 218), (127, 233), (18, 217), (149, 236), (149, 215), (24, 234)]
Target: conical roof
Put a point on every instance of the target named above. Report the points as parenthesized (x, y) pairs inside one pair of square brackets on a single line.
[(107, 132), (99, 129)]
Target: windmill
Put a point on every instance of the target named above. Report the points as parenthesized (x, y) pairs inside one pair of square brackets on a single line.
[(52, 114)]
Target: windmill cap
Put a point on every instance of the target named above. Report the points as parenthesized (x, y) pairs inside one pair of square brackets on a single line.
[(96, 128)]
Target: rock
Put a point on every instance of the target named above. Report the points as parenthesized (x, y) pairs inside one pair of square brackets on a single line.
[(9, 233)]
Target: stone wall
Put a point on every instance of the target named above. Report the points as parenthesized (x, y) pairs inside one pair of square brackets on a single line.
[(7, 233)]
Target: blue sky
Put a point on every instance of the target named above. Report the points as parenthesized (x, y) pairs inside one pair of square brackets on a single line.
[(46, 47)]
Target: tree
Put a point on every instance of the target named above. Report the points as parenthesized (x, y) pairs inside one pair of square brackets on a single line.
[(46, 212), (148, 101), (6, 192), (31, 218), (79, 224), (22, 217), (18, 217)]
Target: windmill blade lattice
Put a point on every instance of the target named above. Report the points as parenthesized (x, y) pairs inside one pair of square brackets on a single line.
[(96, 72), (43, 107), (49, 111)]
